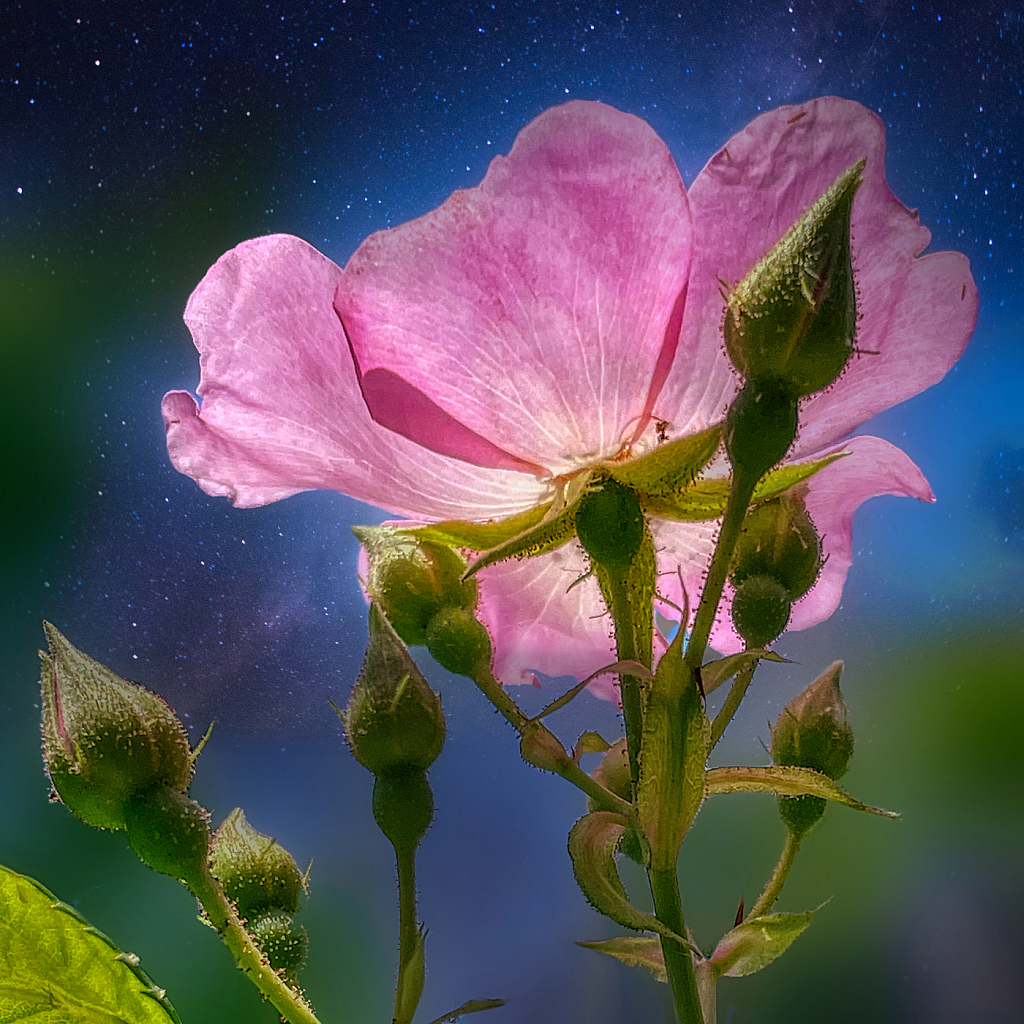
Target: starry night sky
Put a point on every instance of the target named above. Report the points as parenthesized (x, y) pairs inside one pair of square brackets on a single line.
[(141, 141)]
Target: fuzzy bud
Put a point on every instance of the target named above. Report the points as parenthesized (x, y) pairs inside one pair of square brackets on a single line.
[(393, 720), (170, 833), (812, 732), (458, 641), (283, 943), (413, 580), (105, 740), (760, 427), (793, 318), (403, 807), (760, 610), (257, 874), (610, 524)]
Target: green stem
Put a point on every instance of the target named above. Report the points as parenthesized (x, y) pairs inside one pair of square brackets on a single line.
[(678, 961), (741, 491), (408, 934), (732, 702), (621, 610), (568, 769), (778, 879), (253, 964)]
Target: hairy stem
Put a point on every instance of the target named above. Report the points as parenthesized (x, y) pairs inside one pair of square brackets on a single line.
[(568, 769), (251, 962), (741, 492), (771, 891), (678, 961), (408, 929), (732, 702)]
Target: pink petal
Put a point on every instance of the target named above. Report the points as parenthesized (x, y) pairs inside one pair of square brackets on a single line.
[(282, 410), (873, 467), (918, 313), (539, 310)]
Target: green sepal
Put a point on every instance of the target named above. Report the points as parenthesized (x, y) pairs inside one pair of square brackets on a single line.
[(783, 782), (756, 943), (471, 1006), (481, 536), (410, 980), (593, 843), (675, 750), (547, 535), (706, 499), (671, 467), (590, 742), (55, 967), (714, 673), (634, 951)]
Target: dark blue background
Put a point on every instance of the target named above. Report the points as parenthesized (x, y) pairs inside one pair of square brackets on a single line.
[(139, 142)]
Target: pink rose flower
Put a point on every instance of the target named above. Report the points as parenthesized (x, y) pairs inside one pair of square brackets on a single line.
[(548, 319)]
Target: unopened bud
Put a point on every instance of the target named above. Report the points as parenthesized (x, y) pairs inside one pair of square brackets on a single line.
[(458, 641), (778, 540), (793, 318), (812, 732), (283, 943), (403, 807), (610, 524), (393, 720), (760, 427), (542, 748), (257, 874), (105, 739), (170, 833), (413, 580), (760, 610)]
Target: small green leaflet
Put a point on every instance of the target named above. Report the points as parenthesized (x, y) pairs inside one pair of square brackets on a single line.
[(634, 951), (55, 968), (756, 943)]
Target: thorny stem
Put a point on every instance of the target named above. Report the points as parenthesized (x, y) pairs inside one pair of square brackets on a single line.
[(771, 891), (568, 769), (288, 1002), (732, 702)]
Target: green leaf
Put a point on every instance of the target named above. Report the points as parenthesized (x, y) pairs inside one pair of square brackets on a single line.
[(714, 673), (634, 950), (783, 782), (706, 499), (756, 943), (55, 968), (593, 842), (671, 467), (675, 751), (545, 536)]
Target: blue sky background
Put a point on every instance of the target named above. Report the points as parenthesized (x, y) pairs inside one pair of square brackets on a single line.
[(138, 143)]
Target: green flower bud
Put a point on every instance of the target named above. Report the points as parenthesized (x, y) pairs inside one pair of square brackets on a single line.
[(613, 774), (413, 580), (105, 739), (257, 874), (779, 541), (760, 610), (812, 732), (403, 807), (458, 641), (170, 833), (542, 748), (759, 428), (610, 524), (283, 943), (393, 720), (793, 318)]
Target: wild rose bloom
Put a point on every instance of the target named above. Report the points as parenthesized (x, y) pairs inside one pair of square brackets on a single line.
[(546, 320)]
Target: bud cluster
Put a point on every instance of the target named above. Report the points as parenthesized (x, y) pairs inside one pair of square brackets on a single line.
[(118, 757), (776, 561), (263, 881)]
